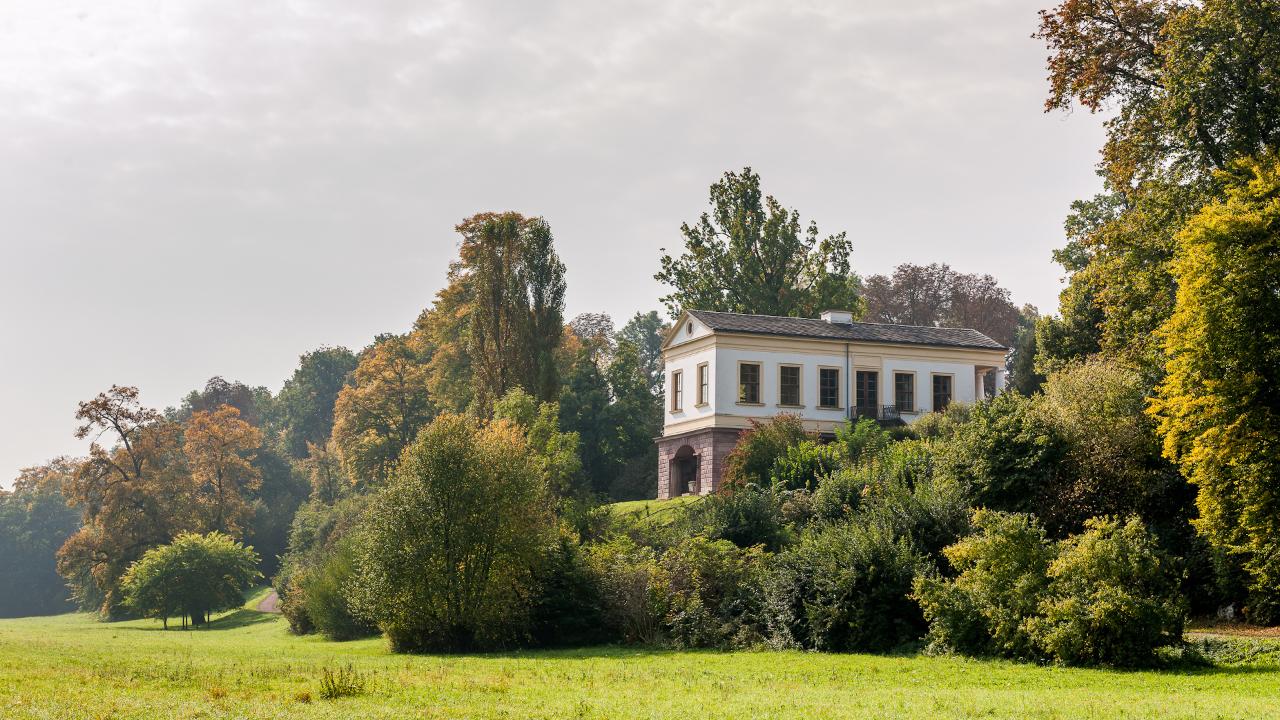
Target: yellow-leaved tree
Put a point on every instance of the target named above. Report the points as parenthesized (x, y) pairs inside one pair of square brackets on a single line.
[(1219, 406)]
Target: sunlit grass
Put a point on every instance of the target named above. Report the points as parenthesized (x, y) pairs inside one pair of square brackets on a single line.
[(655, 512), (248, 666)]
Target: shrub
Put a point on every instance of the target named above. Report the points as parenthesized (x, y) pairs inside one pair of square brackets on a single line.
[(744, 516), (1104, 597), (323, 592), (1001, 578), (904, 495), (758, 449), (840, 493), (844, 587), (714, 593), (448, 550), (316, 531), (803, 465), (343, 682), (861, 439), (567, 609), (633, 588), (193, 576), (1112, 464), (1111, 598), (940, 425), (1006, 451)]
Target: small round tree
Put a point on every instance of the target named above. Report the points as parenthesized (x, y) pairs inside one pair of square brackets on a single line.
[(448, 549), (193, 576)]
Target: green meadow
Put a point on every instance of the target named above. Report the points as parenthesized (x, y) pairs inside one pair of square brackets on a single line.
[(247, 665)]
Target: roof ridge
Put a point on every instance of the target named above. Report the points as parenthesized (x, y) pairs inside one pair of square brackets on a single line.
[(855, 322)]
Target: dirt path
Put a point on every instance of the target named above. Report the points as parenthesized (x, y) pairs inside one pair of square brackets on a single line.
[(270, 603)]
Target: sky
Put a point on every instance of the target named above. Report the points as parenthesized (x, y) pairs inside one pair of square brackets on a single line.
[(201, 188)]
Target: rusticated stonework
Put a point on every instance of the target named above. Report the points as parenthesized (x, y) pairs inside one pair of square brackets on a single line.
[(692, 463)]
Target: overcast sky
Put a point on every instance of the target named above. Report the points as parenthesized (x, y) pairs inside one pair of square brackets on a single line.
[(191, 189)]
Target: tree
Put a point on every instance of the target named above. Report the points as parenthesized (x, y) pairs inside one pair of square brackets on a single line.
[(517, 290), (254, 404), (193, 576), (1192, 87), (219, 448), (1217, 406), (134, 495), (443, 332), (557, 452), (305, 403), (935, 295), (378, 414), (584, 402), (544, 280), (751, 255), (323, 468), (646, 331), (34, 522), (448, 548), (1023, 376)]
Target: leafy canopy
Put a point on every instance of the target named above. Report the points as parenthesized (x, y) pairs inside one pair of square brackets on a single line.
[(752, 255)]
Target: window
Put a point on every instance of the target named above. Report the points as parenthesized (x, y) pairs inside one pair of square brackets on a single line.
[(789, 385), (941, 392), (867, 399), (904, 392), (704, 382), (828, 387), (749, 383), (677, 392)]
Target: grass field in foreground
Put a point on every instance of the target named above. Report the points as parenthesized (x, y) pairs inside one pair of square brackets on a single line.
[(71, 666)]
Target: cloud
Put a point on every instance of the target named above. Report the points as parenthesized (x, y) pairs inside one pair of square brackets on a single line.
[(215, 187)]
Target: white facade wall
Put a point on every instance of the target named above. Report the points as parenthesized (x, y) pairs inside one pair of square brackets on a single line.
[(687, 366), (727, 385), (722, 366)]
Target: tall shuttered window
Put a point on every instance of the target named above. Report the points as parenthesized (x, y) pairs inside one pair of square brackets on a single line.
[(704, 383), (828, 388), (941, 392), (789, 385), (677, 390), (749, 383), (904, 392)]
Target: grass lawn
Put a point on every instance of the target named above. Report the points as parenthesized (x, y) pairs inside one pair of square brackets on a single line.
[(248, 666), (655, 512)]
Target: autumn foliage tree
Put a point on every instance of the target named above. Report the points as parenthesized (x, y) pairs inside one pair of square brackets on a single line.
[(158, 478), (936, 295), (134, 494), (219, 448), (1190, 87), (1219, 405), (378, 414)]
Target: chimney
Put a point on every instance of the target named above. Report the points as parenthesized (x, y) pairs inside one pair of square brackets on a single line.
[(837, 316)]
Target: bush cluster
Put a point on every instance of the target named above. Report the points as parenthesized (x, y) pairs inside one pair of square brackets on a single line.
[(868, 543), (1103, 597)]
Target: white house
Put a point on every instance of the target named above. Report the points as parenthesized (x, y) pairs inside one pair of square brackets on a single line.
[(726, 369)]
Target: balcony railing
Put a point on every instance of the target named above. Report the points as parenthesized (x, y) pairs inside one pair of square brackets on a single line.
[(883, 413)]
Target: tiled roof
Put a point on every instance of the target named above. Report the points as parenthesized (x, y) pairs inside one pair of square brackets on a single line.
[(853, 332)]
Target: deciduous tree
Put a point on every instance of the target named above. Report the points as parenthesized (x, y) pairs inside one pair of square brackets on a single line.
[(1218, 405), (751, 254), (378, 414)]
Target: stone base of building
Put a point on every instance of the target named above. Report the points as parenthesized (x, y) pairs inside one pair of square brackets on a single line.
[(692, 463)]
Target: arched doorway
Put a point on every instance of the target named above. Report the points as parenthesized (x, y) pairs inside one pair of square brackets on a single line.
[(684, 471)]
